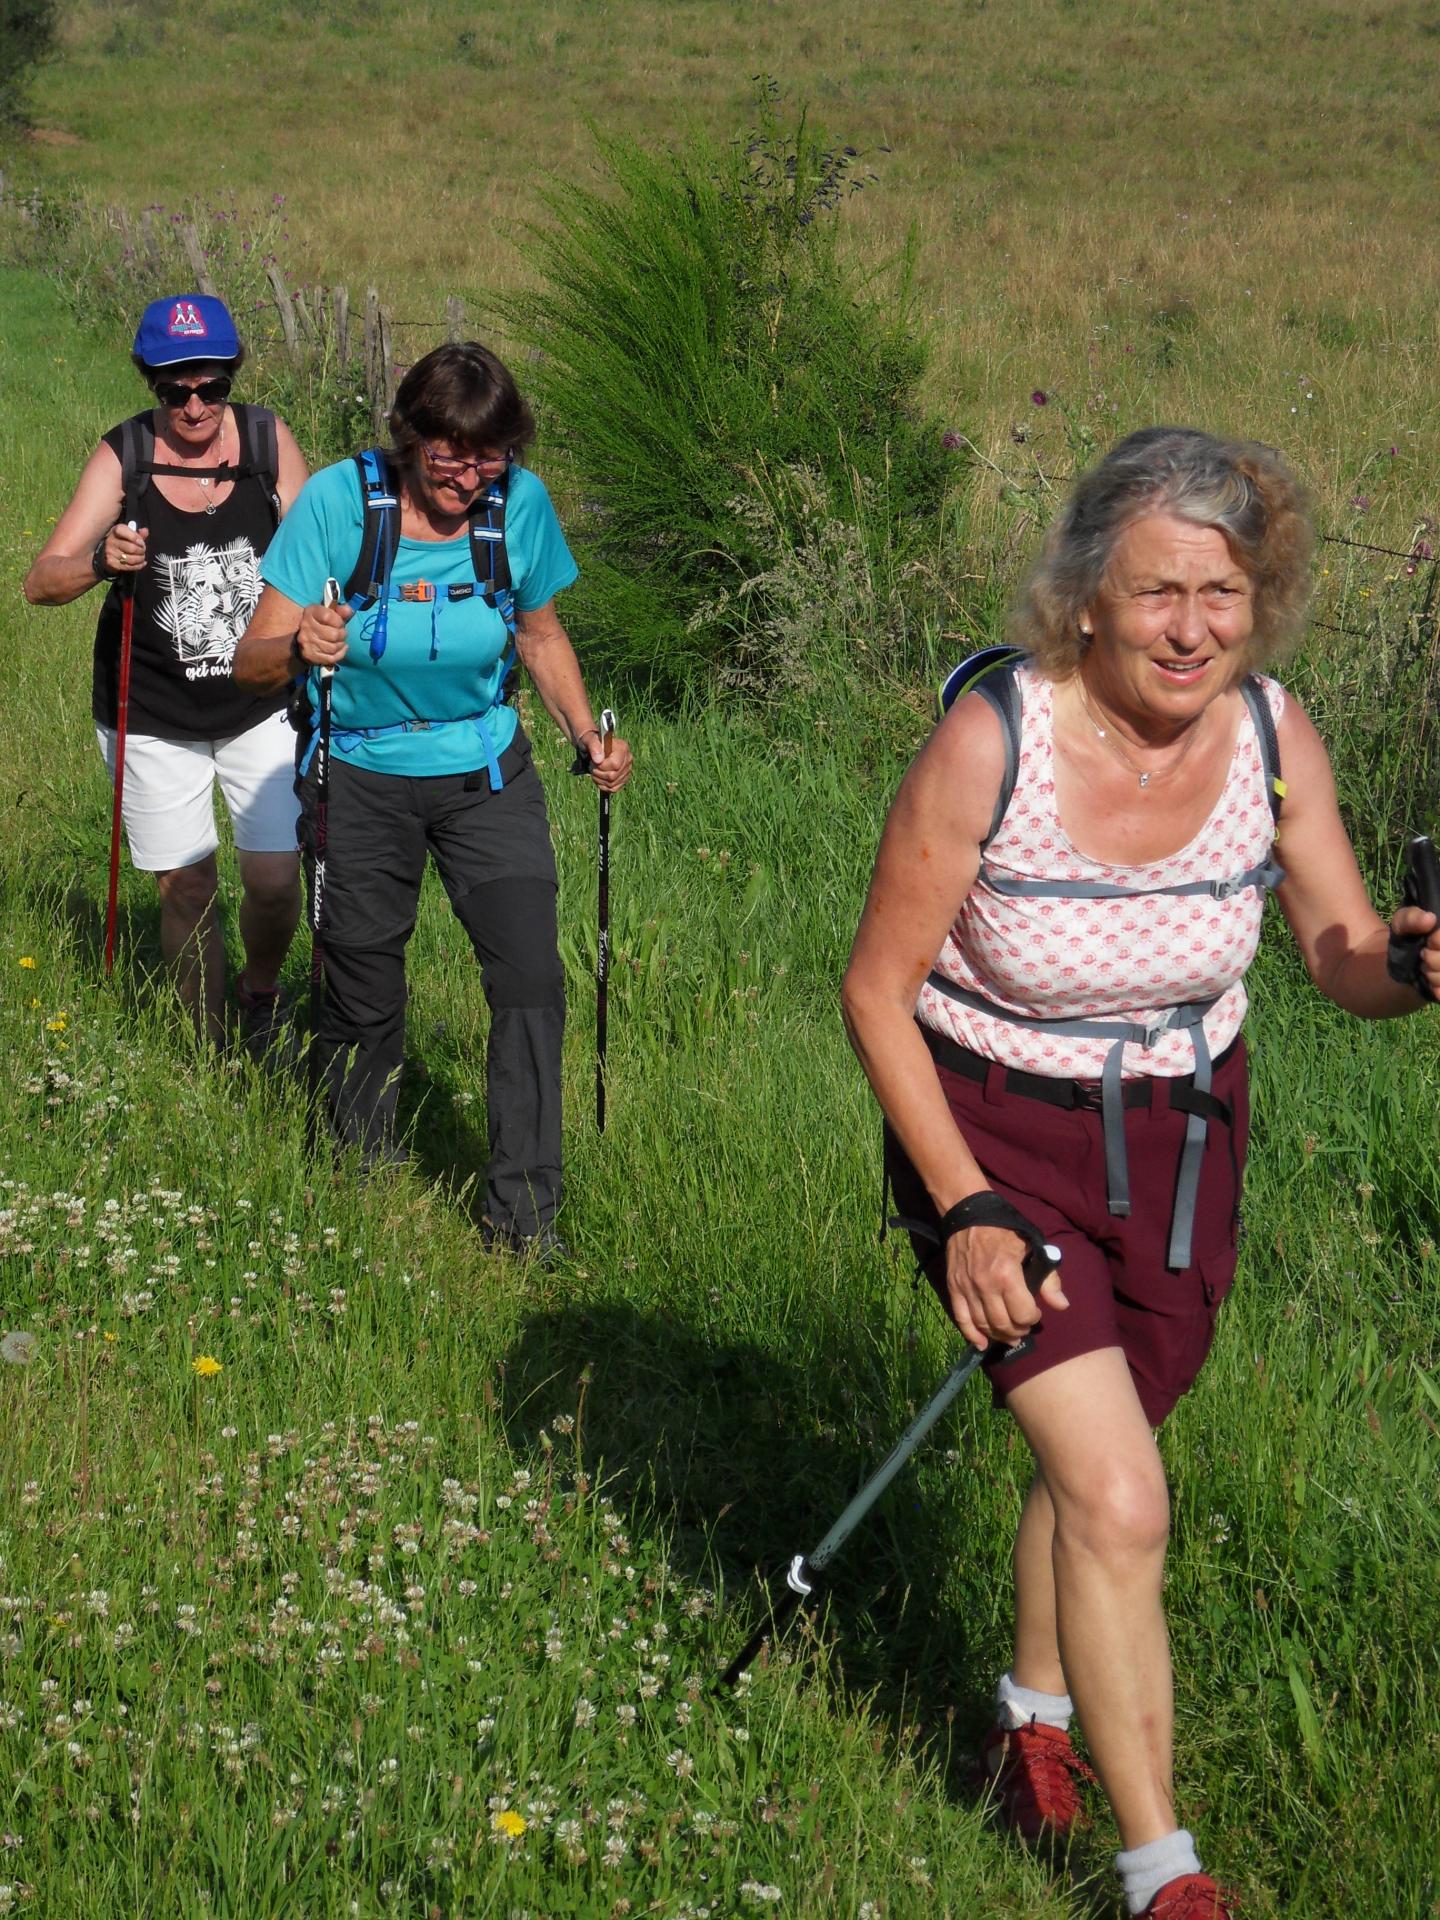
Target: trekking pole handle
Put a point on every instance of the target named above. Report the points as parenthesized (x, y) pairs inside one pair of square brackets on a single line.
[(607, 729), (330, 598), (1423, 870)]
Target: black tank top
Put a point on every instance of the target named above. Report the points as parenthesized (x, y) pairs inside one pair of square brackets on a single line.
[(193, 601)]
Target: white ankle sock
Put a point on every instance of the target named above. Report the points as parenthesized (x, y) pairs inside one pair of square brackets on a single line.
[(1146, 1869), (1018, 1706)]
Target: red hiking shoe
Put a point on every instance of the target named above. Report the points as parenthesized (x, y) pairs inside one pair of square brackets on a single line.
[(1033, 1773), (1194, 1896)]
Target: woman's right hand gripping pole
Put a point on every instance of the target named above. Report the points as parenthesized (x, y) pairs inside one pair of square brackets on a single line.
[(987, 1293), (320, 638)]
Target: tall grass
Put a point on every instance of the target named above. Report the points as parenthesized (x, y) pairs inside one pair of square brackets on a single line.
[(224, 1690), (214, 1644)]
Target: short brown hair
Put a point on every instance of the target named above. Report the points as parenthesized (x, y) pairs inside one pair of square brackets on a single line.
[(463, 393), (1242, 489)]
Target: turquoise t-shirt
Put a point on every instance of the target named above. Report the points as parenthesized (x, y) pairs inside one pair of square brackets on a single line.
[(443, 657)]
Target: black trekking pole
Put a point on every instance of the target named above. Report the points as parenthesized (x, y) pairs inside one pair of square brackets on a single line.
[(602, 950), (806, 1568), (320, 841)]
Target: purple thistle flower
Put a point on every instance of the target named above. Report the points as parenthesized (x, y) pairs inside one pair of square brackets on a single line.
[(1361, 502), (1039, 398), (951, 441)]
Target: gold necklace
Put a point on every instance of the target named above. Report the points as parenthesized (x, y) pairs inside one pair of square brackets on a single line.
[(1112, 736)]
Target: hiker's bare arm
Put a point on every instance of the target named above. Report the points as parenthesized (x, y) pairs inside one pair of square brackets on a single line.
[(64, 568), (293, 472), (282, 635), (1341, 937), (548, 657), (928, 859)]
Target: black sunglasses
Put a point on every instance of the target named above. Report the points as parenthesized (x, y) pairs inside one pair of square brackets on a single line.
[(170, 393)]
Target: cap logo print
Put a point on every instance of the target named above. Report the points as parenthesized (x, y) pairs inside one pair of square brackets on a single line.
[(186, 321)]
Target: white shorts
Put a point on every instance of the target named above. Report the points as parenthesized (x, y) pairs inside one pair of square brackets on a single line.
[(169, 807)]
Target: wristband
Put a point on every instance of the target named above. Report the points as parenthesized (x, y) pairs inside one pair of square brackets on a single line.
[(988, 1209), (97, 559)]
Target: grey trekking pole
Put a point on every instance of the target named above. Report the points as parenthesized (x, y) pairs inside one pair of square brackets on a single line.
[(806, 1568), (317, 879), (602, 949)]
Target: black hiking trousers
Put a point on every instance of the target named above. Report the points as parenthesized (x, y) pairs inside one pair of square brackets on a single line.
[(494, 856)]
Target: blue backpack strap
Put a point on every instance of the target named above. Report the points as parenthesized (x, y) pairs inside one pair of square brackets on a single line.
[(369, 580), (1253, 694), (991, 674)]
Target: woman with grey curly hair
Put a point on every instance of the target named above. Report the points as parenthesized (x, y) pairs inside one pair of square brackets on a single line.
[(1046, 992)]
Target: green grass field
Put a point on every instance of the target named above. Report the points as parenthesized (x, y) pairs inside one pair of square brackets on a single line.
[(413, 1606)]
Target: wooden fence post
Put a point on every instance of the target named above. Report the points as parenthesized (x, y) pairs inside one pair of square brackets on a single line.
[(195, 254), (374, 361), (454, 318), (307, 325), (286, 312), (387, 362), (340, 303)]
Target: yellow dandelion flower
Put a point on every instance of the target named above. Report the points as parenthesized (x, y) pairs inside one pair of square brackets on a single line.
[(111, 1338), (510, 1823), (28, 961), (34, 1000), (207, 1366), (57, 1025)]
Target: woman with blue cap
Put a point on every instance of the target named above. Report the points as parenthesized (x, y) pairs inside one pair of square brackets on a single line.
[(176, 506)]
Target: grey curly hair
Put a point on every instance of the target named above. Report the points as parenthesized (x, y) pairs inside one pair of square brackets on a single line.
[(1243, 490)]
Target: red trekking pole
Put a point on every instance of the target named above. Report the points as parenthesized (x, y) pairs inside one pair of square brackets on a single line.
[(122, 728)]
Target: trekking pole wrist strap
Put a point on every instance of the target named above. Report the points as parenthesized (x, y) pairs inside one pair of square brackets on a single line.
[(98, 565), (988, 1210)]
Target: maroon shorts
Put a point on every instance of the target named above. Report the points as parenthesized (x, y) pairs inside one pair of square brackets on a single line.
[(1049, 1161)]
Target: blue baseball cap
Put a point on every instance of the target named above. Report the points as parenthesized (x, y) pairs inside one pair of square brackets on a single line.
[(185, 326)]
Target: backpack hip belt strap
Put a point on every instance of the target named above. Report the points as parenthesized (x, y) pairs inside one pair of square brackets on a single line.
[(1188, 1018), (348, 738)]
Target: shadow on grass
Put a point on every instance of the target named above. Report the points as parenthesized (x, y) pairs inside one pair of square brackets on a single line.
[(741, 1460)]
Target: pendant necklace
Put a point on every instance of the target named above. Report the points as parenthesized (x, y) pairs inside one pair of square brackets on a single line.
[(1111, 735)]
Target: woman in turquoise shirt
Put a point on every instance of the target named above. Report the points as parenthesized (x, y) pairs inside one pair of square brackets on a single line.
[(426, 756)]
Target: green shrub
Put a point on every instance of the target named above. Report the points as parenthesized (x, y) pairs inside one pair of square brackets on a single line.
[(700, 340), (27, 36)]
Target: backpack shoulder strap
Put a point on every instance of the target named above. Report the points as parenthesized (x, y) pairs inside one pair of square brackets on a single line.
[(487, 537), (137, 461), (380, 535), (1253, 692), (991, 674), (260, 450), (488, 553)]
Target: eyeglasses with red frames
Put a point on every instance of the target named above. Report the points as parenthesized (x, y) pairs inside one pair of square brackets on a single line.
[(452, 466)]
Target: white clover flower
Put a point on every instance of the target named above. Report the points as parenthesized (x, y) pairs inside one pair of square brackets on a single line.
[(584, 1712), (759, 1894)]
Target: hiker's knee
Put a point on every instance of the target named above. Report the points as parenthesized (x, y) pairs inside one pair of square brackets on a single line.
[(186, 892)]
